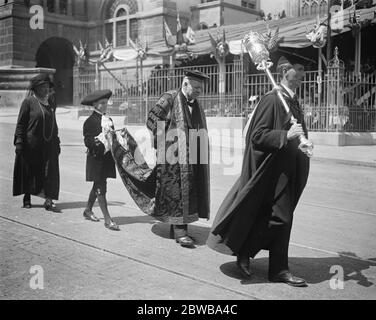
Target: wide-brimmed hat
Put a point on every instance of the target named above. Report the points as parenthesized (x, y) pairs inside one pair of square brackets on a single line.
[(95, 96), (38, 80)]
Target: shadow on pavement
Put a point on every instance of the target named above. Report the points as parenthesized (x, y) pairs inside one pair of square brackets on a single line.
[(313, 270), (198, 234), (81, 205), (131, 220)]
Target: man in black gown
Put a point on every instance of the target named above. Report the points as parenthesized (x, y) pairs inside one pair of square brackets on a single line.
[(258, 211)]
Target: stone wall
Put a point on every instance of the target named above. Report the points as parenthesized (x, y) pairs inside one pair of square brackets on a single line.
[(6, 41), (14, 83), (19, 43), (28, 41)]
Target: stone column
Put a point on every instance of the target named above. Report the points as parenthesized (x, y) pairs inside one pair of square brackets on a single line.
[(76, 85)]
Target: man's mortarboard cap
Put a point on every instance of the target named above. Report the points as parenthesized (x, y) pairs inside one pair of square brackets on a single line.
[(197, 75), (291, 60)]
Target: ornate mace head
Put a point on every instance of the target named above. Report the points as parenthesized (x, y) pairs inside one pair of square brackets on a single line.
[(256, 47)]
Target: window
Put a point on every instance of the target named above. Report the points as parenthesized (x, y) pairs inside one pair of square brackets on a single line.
[(51, 5), (121, 27), (323, 7), (305, 8), (57, 6), (63, 4), (248, 4), (109, 32), (314, 7), (121, 13)]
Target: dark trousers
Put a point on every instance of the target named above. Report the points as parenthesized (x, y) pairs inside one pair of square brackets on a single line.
[(279, 250), (275, 238), (180, 230)]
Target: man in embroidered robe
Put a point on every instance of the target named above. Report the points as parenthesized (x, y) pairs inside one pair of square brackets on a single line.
[(178, 125)]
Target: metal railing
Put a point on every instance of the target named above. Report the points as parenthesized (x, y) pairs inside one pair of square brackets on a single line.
[(334, 101)]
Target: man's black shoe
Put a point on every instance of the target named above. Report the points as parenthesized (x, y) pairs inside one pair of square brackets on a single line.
[(89, 215), (288, 278), (186, 242), (27, 205), (243, 266)]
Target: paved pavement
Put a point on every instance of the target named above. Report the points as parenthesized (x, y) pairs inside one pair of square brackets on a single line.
[(333, 234)]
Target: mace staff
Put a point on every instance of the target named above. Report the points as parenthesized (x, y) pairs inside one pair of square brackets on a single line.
[(255, 45)]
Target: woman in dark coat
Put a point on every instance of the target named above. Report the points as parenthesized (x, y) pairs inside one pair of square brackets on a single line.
[(36, 170), (99, 164)]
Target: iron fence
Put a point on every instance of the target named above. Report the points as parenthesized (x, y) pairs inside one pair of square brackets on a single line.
[(359, 97), (334, 101)]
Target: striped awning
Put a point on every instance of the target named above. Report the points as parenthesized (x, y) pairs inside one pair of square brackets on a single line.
[(293, 31)]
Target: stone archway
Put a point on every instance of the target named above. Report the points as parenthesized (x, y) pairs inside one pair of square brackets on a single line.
[(57, 53)]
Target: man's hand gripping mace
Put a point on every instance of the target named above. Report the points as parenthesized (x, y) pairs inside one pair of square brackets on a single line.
[(255, 45)]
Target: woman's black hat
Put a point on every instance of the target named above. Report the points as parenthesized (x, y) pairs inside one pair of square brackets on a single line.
[(38, 80)]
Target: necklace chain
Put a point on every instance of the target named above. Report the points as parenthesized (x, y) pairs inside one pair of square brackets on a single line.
[(44, 122)]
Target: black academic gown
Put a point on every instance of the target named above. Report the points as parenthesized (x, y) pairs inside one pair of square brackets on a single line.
[(273, 177)]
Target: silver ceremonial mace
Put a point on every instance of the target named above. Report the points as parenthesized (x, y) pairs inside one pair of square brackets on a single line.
[(255, 45)]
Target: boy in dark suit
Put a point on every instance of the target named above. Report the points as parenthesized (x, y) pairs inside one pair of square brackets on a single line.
[(99, 164)]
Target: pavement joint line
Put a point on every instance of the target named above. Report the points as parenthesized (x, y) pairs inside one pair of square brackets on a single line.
[(355, 163), (190, 277), (332, 252), (293, 244), (339, 209), (312, 248)]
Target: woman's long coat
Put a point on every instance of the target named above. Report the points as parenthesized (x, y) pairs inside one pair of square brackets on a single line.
[(36, 169)]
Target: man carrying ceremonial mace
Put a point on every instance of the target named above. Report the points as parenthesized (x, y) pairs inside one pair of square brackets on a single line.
[(258, 211)]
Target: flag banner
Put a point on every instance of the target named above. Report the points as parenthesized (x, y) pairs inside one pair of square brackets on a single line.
[(126, 54), (189, 36), (137, 176), (179, 32)]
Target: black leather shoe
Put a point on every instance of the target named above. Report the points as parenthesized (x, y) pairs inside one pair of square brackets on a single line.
[(288, 278), (49, 205), (89, 215), (172, 232), (243, 266), (27, 205), (112, 226), (186, 242)]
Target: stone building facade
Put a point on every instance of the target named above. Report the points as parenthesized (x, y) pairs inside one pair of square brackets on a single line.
[(67, 22)]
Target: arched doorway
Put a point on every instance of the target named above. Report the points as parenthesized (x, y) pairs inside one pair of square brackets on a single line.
[(57, 53)]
